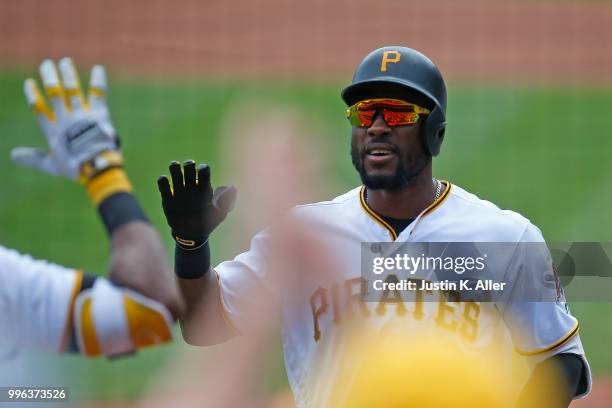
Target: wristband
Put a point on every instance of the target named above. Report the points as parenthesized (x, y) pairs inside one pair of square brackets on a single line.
[(192, 263), (119, 209), (110, 190), (109, 182), (104, 176)]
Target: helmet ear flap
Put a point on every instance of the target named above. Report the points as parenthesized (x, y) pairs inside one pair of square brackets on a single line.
[(433, 130)]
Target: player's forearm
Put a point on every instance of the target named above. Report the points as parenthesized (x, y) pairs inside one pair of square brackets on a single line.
[(202, 321), (139, 262), (133, 311), (138, 259)]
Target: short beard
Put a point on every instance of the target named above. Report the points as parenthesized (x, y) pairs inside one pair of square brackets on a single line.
[(408, 169)]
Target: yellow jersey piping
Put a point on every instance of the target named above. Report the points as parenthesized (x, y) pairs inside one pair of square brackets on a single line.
[(375, 216), (439, 201), (386, 225), (553, 346)]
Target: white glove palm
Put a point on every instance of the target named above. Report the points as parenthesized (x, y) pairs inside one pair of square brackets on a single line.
[(77, 129)]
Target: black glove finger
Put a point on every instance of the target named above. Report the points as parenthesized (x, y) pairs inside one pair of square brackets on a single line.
[(224, 198), (190, 173), (204, 179), (177, 175), (164, 188)]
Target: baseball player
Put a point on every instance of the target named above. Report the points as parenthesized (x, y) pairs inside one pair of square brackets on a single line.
[(61, 309), (397, 110)]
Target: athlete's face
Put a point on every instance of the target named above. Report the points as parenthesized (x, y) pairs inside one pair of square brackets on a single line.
[(386, 157)]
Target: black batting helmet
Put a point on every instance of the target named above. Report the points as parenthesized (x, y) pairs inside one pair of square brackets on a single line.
[(403, 73)]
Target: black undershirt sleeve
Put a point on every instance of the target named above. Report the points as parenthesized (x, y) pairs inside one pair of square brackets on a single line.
[(571, 369)]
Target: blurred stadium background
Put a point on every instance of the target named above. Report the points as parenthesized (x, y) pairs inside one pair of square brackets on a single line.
[(530, 96)]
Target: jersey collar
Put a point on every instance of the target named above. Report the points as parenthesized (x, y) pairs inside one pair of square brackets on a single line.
[(392, 233)]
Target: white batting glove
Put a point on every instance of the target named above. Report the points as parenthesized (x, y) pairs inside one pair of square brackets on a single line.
[(82, 139)]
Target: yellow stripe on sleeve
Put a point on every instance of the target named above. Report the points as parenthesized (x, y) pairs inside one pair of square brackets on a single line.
[(553, 346), (88, 331)]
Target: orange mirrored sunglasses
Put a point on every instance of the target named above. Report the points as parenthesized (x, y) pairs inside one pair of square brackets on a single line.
[(395, 112)]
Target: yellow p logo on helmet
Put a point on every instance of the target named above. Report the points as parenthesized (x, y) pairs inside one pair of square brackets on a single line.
[(386, 58)]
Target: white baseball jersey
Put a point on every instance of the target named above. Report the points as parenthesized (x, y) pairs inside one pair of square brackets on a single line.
[(41, 303), (312, 330), (35, 305)]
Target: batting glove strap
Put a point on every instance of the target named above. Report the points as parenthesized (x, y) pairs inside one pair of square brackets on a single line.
[(189, 244), (104, 161), (192, 263)]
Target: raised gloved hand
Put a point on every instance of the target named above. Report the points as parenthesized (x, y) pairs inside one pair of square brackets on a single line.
[(81, 137), (191, 207)]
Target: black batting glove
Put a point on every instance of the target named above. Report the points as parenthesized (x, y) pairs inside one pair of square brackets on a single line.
[(191, 207)]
